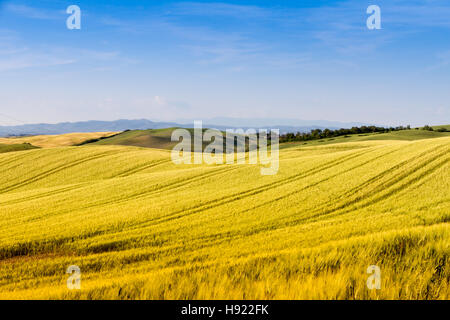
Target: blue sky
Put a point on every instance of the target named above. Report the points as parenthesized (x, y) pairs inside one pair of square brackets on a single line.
[(172, 60)]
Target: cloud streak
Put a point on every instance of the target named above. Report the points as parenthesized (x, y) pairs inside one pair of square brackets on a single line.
[(218, 10), (31, 12)]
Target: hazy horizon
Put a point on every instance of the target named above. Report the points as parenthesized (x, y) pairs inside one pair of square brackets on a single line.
[(222, 121)]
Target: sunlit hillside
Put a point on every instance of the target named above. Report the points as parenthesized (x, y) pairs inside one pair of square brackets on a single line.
[(141, 227), (15, 147), (60, 140)]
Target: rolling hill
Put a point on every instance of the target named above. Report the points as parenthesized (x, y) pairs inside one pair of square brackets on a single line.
[(15, 147), (447, 127), (82, 126), (161, 138), (285, 125), (141, 227), (403, 135), (152, 138), (51, 141)]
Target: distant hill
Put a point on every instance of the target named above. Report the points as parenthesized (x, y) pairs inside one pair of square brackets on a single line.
[(85, 126), (143, 124), (16, 147), (447, 127), (152, 138), (402, 135), (278, 123), (51, 141), (161, 138)]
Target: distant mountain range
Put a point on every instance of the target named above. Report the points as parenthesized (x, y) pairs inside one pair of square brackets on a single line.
[(218, 123)]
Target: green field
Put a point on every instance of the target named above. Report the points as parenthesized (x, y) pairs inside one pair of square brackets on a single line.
[(442, 127), (15, 147), (403, 135), (161, 138), (57, 140), (141, 227), (151, 138)]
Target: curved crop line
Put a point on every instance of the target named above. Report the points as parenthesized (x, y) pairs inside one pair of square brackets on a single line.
[(238, 196), (360, 199), (279, 224), (386, 172), (202, 177), (32, 153), (398, 178), (179, 184), (47, 173), (286, 195), (11, 159), (226, 200), (410, 183), (143, 167), (45, 194), (151, 192), (372, 180), (156, 190)]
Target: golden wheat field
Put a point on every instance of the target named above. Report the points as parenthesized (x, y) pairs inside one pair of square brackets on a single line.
[(141, 227), (59, 140)]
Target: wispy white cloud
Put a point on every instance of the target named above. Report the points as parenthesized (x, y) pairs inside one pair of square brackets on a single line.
[(16, 57), (339, 28), (17, 54), (163, 102), (31, 12), (99, 55), (442, 61), (342, 27), (218, 9), (444, 58), (419, 14), (224, 52), (32, 60), (157, 107)]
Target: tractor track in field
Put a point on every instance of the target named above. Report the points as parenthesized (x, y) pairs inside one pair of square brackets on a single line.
[(394, 184), (289, 194), (279, 223), (337, 210), (355, 189), (32, 153), (238, 196), (288, 222), (202, 207), (154, 190), (60, 190), (135, 170), (47, 173)]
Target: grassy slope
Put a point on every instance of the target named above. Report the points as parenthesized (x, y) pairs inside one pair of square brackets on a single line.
[(152, 138), (51, 141), (443, 126), (15, 147), (404, 135), (161, 138), (141, 227)]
